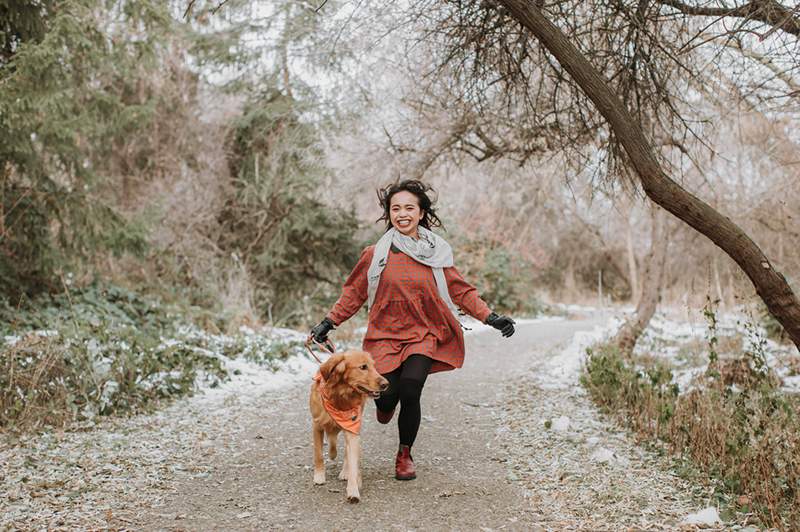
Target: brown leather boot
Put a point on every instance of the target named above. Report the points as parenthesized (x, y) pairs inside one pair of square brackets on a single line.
[(404, 465), (384, 417)]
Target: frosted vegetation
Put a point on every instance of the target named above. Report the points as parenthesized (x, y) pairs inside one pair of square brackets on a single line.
[(111, 351), (713, 389)]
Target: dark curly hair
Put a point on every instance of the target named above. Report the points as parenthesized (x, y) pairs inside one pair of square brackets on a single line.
[(423, 193)]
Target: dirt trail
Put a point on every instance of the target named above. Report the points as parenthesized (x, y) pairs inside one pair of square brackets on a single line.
[(240, 459), (261, 478)]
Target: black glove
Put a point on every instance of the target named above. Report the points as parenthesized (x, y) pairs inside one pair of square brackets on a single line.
[(504, 324), (320, 332)]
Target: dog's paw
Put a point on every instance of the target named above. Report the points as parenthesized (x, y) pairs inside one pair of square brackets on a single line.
[(319, 477), (343, 474), (353, 499)]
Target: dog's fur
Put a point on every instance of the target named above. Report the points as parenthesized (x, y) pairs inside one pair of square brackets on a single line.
[(350, 377)]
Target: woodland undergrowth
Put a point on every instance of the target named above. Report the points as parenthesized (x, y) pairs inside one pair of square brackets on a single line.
[(104, 350), (733, 422)]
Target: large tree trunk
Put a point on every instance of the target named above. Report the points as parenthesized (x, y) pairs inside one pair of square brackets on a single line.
[(770, 284), (652, 279)]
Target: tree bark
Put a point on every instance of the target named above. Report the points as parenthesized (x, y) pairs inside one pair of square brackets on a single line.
[(632, 267), (652, 280), (770, 284)]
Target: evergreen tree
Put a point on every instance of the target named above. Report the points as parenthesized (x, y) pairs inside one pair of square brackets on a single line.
[(276, 221), (60, 112)]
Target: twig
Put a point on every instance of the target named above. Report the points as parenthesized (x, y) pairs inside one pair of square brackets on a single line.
[(213, 11), (189, 8), (219, 6)]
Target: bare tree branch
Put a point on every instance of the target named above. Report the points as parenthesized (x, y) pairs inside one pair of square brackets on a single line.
[(770, 284), (780, 73), (767, 11)]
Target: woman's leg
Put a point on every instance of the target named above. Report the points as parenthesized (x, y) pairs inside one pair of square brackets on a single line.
[(391, 396), (411, 379)]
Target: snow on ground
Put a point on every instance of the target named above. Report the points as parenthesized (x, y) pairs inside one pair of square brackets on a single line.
[(96, 473), (579, 469), (564, 368), (249, 379), (683, 342)]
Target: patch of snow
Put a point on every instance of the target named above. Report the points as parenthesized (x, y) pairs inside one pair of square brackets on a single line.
[(665, 337), (563, 370), (707, 516), (602, 456), (576, 308), (249, 379), (791, 383), (561, 424), (109, 389), (11, 340), (683, 378)]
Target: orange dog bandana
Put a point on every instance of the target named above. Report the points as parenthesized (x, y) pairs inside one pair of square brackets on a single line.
[(350, 419)]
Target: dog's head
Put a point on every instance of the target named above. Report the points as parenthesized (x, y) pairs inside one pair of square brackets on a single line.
[(357, 369)]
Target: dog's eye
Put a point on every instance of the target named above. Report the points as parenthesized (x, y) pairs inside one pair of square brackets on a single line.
[(363, 366)]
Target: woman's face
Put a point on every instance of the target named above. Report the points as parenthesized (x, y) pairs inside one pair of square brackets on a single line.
[(404, 213)]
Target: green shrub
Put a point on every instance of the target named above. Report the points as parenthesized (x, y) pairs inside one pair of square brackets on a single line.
[(105, 350), (504, 281), (293, 245), (616, 386)]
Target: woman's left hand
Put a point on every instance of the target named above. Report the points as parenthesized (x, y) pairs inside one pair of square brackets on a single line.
[(504, 324)]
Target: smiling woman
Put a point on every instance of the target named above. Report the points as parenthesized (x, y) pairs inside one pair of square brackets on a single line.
[(415, 296), (405, 213)]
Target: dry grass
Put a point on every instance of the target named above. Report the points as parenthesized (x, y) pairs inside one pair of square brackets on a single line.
[(751, 441), (34, 378), (745, 433)]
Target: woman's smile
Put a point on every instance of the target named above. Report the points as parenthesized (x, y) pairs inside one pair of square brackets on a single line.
[(405, 213)]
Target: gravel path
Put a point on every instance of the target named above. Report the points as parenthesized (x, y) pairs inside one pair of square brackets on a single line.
[(484, 459)]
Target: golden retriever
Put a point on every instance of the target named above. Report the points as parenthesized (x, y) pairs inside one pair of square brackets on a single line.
[(339, 391)]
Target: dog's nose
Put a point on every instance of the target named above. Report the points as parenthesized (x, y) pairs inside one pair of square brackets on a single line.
[(384, 384)]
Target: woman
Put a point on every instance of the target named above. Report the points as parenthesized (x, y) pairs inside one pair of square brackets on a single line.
[(412, 289)]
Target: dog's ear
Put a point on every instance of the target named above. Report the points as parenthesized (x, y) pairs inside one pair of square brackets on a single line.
[(335, 365)]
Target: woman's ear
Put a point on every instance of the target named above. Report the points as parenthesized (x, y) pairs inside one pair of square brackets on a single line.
[(334, 365)]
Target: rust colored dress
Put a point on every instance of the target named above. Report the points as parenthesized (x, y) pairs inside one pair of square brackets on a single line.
[(408, 316)]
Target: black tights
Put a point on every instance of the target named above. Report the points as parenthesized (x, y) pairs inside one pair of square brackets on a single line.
[(405, 387)]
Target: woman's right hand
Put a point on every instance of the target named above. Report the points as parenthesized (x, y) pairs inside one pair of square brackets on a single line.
[(320, 331)]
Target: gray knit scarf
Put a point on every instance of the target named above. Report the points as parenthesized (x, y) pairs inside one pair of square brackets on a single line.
[(431, 250)]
